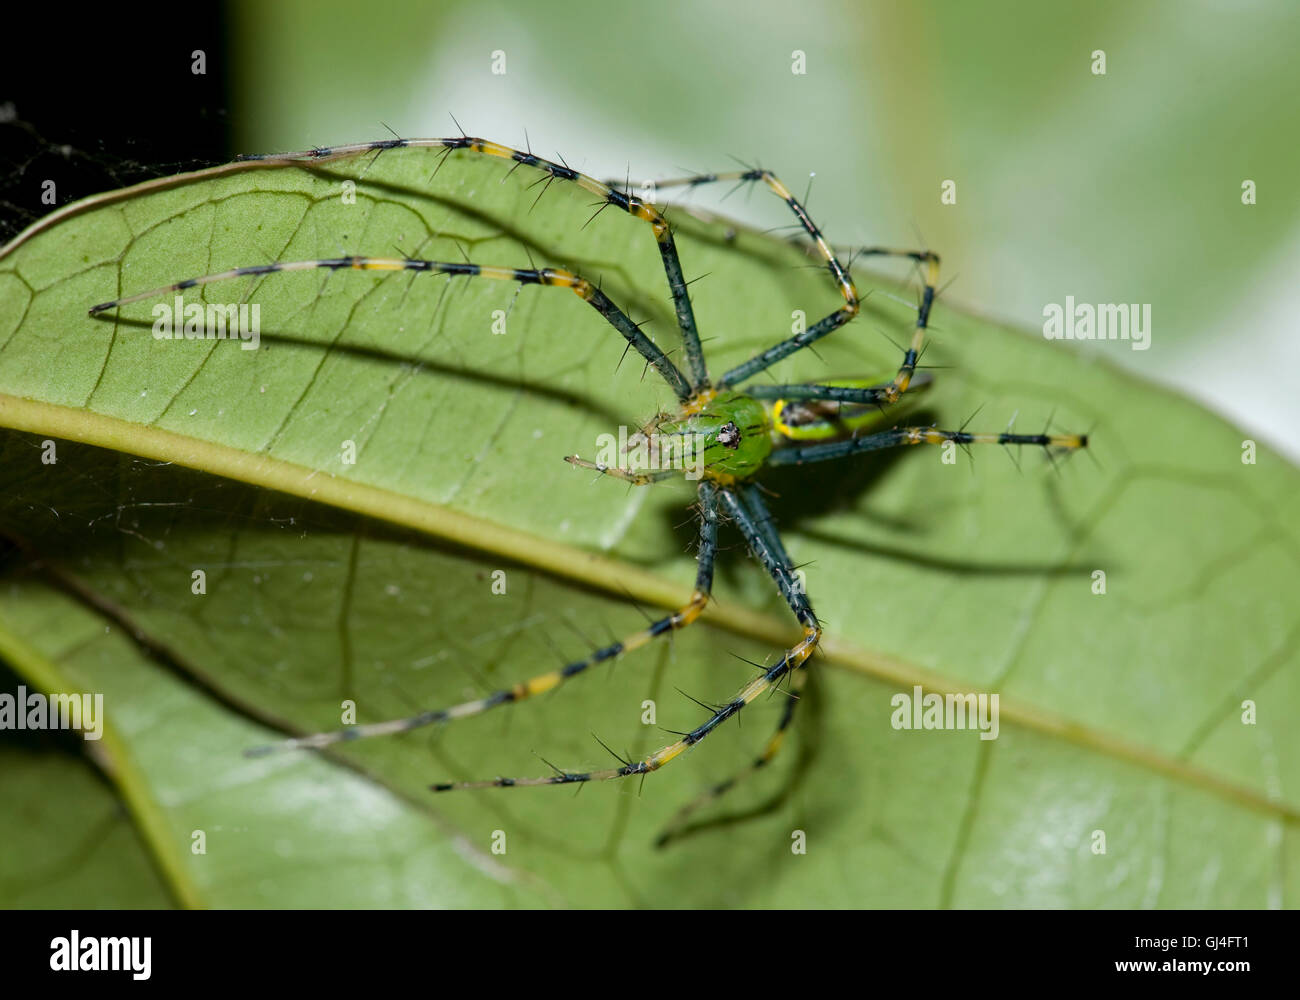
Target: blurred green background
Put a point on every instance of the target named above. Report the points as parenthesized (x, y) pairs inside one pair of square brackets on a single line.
[(1122, 187)]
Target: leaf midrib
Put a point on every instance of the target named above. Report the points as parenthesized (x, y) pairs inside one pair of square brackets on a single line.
[(586, 568)]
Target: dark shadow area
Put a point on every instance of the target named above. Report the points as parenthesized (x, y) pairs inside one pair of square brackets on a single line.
[(104, 97), (370, 352), (48, 740)]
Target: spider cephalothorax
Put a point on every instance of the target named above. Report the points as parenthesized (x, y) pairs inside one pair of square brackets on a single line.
[(730, 433)]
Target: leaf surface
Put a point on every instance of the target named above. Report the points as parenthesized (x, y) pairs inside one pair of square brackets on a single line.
[(372, 581)]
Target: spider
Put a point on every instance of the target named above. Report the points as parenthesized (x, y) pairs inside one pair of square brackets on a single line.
[(735, 431)]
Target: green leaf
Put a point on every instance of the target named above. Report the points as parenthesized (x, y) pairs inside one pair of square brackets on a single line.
[(68, 841), (1120, 713)]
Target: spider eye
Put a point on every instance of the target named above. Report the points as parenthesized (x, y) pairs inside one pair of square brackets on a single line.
[(729, 435)]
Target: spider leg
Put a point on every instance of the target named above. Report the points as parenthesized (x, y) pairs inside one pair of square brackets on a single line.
[(707, 511), (903, 436), (635, 478), (844, 281), (882, 395), (608, 193), (766, 528), (551, 276), (838, 271), (675, 827), (790, 661), (875, 395)]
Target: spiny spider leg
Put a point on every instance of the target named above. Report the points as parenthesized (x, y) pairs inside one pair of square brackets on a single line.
[(552, 276), (609, 194), (675, 827), (791, 660), (635, 478), (685, 615), (882, 395), (879, 395), (838, 271), (765, 528), (902, 436)]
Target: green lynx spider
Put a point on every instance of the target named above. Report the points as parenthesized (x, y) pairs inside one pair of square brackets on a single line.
[(744, 430)]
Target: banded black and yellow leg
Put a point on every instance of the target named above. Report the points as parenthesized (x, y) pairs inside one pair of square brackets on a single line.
[(791, 660), (881, 395), (550, 276), (707, 512), (904, 436), (750, 515), (609, 195), (840, 274), (765, 527), (764, 522), (676, 826)]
